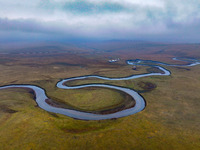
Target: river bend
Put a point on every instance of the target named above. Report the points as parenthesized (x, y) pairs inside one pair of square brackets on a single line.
[(41, 97)]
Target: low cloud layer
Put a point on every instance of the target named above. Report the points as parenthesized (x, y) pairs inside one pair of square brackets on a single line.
[(153, 20)]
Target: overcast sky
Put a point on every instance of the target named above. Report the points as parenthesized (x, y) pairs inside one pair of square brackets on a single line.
[(148, 20)]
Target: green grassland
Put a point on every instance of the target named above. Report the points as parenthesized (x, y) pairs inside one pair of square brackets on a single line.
[(170, 120)]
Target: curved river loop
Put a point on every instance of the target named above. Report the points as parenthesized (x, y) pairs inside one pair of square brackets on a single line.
[(41, 97)]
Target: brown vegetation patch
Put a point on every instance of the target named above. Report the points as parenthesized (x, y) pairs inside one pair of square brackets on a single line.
[(23, 90), (12, 82), (6, 109), (57, 104), (53, 114), (136, 68), (88, 129), (182, 68), (155, 70), (147, 86), (128, 102)]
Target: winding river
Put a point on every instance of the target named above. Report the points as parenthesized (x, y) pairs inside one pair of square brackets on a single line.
[(41, 97)]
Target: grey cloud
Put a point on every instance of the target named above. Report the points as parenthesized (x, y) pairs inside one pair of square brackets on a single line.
[(24, 25), (131, 19)]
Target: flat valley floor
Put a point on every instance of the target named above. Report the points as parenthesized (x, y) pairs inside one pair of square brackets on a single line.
[(170, 120)]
